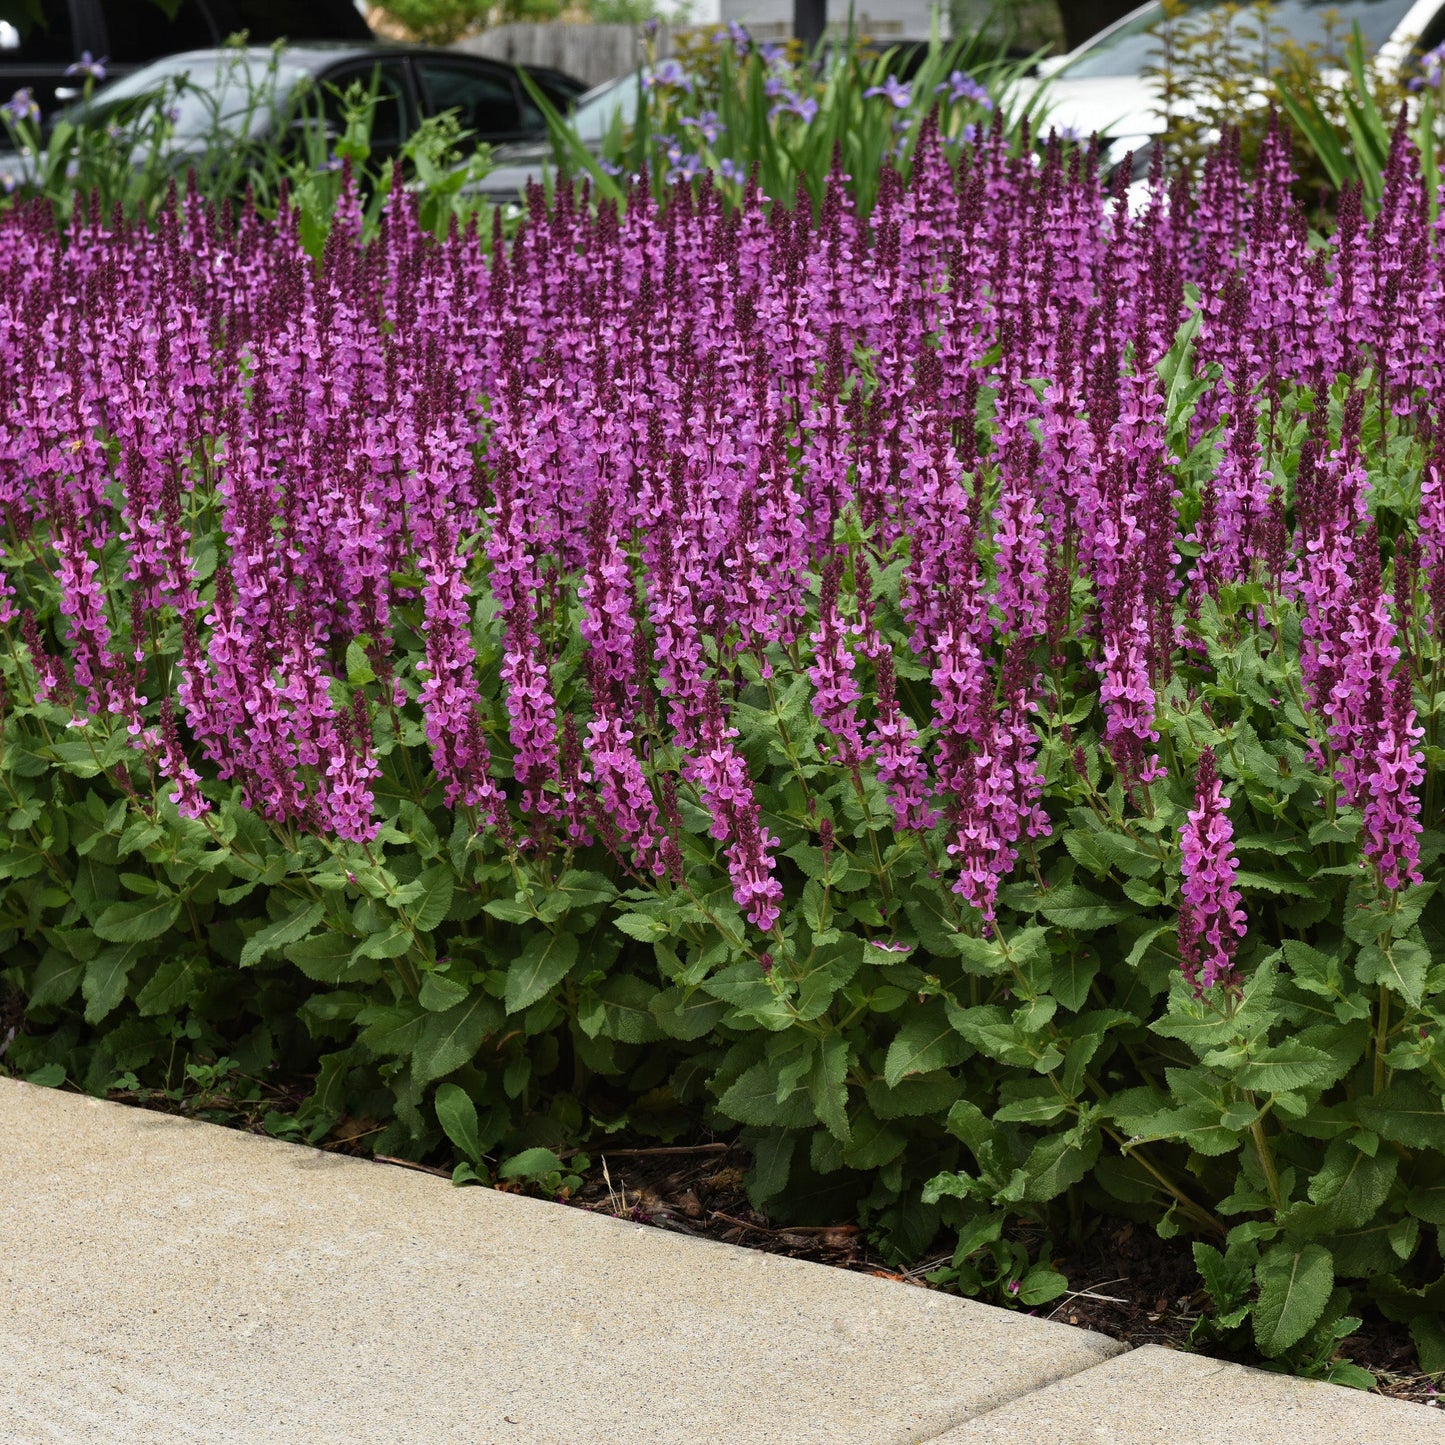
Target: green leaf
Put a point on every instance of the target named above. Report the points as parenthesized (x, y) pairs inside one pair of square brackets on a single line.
[(332, 958), (641, 927), (296, 925), (828, 1088), (1428, 1203), (56, 979), (1131, 856), (392, 1029), (105, 978), (458, 1117), (392, 941), (927, 1041), (439, 993), (620, 1009), (1071, 906), (529, 1164), (1409, 1112), (753, 1099), (1346, 1192), (449, 1040), (1040, 1285), (358, 667), (686, 1016), (47, 1076), (1295, 1283), (137, 920), (175, 983), (1401, 968), (1288, 1065), (429, 909), (542, 964), (772, 1152)]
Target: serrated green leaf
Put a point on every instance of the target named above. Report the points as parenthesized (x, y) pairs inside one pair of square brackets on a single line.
[(621, 1010), (828, 1088), (391, 1029), (640, 926), (137, 920), (1295, 1284), (1287, 1065), (448, 1040), (429, 908), (1401, 967), (439, 993), (543, 963), (1408, 1112), (171, 986), (56, 978), (332, 958), (358, 667), (753, 1099), (684, 1015), (1074, 907), (105, 978), (927, 1041), (290, 929)]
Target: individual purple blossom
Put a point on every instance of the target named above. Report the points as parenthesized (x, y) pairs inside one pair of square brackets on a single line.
[(668, 75), (1211, 918), (963, 87), (21, 107), (1432, 68), (896, 91), (707, 125), (86, 66)]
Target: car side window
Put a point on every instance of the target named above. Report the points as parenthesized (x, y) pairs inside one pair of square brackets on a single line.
[(44, 38), (140, 30), (485, 100), (391, 121), (1434, 32)]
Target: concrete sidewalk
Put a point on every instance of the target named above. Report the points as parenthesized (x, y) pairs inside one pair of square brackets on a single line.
[(163, 1280)]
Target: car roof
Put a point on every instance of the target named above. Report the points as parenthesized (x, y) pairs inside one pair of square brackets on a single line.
[(320, 54)]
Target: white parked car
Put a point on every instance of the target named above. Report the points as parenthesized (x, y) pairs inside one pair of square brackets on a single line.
[(1100, 87)]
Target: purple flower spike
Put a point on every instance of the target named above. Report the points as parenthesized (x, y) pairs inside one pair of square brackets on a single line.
[(1210, 916)]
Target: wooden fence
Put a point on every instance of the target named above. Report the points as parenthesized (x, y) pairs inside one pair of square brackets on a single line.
[(593, 53)]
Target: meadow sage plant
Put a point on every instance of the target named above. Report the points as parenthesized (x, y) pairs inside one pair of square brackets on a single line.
[(949, 687)]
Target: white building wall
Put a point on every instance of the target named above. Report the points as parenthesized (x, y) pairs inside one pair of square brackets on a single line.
[(884, 19)]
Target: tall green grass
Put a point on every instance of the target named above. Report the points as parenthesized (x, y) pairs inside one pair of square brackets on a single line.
[(786, 117)]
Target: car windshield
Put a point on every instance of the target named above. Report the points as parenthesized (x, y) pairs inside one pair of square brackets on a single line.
[(1326, 23), (593, 117), (233, 93)]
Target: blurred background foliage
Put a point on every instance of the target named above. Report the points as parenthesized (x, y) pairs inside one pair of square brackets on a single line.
[(1233, 66)]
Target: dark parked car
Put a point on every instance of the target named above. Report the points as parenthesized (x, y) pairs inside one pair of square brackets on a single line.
[(257, 94), (42, 42)]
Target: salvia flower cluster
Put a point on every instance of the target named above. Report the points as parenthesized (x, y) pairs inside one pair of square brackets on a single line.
[(956, 495)]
